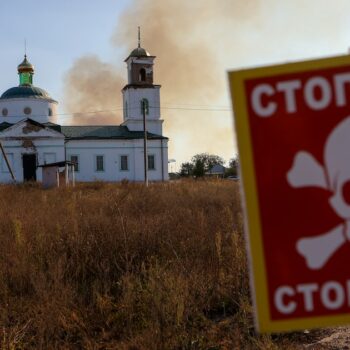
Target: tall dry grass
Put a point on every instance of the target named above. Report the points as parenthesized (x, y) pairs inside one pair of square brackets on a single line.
[(103, 266)]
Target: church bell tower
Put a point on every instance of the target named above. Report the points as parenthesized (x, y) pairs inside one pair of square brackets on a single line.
[(141, 91)]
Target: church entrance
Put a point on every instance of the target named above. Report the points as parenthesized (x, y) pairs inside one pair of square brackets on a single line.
[(29, 167)]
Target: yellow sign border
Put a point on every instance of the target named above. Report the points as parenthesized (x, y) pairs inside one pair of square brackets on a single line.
[(253, 232)]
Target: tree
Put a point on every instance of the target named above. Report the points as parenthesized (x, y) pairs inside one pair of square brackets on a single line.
[(198, 168), (186, 169), (233, 165), (200, 164), (207, 160)]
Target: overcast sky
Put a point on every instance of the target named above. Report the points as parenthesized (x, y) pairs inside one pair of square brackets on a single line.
[(232, 33)]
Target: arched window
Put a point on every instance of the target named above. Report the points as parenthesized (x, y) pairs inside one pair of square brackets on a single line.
[(50, 112), (142, 76), (144, 102)]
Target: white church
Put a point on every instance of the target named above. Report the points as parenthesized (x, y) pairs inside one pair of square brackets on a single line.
[(31, 138)]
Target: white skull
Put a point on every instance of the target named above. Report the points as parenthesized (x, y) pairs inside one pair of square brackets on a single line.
[(334, 176), (337, 162)]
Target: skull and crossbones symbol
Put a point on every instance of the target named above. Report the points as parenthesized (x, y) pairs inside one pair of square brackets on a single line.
[(334, 176)]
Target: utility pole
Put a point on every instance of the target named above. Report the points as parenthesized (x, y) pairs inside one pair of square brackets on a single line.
[(145, 156)]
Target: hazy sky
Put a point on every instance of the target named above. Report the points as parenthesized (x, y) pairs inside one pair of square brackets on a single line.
[(76, 44)]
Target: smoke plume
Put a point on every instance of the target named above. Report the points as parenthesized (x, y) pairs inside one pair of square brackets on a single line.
[(185, 37), (195, 43), (92, 92)]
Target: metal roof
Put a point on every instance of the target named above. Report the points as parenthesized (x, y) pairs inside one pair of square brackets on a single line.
[(139, 52), (217, 169), (4, 125), (58, 164), (78, 132), (26, 91), (93, 132), (53, 126), (25, 66)]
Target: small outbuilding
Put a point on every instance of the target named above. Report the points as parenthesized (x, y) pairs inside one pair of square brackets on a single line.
[(217, 170), (54, 174)]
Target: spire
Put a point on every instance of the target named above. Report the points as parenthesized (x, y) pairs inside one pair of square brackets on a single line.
[(139, 37), (139, 51)]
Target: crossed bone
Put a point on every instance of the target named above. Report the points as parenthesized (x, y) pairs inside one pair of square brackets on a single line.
[(306, 171)]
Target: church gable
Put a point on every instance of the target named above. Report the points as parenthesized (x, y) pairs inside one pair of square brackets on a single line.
[(30, 129)]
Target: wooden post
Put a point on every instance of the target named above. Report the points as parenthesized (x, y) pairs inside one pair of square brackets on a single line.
[(7, 162), (66, 175), (73, 175), (145, 155), (58, 177)]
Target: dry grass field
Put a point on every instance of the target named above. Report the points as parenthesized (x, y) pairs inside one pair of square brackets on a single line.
[(103, 266)]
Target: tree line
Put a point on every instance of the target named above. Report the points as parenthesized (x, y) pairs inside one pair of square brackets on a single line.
[(201, 164)]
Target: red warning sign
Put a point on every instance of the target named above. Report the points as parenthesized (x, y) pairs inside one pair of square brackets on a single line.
[(293, 130)]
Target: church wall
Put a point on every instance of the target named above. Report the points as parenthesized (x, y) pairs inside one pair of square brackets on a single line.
[(112, 150), (52, 149), (105, 160), (39, 110), (133, 117), (153, 126), (133, 96)]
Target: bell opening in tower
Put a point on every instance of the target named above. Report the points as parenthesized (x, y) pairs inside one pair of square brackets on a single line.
[(142, 76)]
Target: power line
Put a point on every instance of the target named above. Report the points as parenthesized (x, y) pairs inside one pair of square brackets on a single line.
[(198, 109), (81, 114)]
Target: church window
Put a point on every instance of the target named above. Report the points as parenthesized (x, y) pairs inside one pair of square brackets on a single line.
[(124, 163), (126, 109), (27, 110), (75, 160), (151, 162), (144, 105), (50, 112), (4, 167), (142, 76), (5, 112), (100, 163)]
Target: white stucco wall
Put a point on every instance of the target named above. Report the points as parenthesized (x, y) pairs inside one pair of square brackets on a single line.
[(39, 107), (53, 150), (152, 126), (112, 150), (133, 97), (42, 148), (133, 117)]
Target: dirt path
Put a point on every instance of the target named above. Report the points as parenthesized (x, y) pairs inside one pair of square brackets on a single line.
[(333, 338)]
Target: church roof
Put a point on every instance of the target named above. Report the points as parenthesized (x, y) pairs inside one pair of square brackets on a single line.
[(93, 132), (25, 91), (25, 66), (139, 52), (4, 125)]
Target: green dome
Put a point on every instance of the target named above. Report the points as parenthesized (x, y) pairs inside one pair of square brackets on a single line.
[(25, 91), (139, 52)]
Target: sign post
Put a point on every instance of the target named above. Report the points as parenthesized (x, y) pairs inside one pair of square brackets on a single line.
[(293, 130)]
